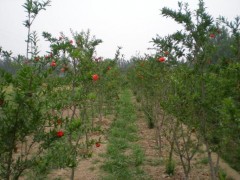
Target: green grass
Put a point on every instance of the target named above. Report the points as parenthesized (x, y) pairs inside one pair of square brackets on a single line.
[(124, 156), (204, 161), (138, 155)]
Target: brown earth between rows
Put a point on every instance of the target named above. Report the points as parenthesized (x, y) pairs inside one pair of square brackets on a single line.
[(153, 166)]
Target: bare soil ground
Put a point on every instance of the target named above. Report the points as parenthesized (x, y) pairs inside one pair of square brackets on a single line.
[(155, 164), (88, 169), (230, 171)]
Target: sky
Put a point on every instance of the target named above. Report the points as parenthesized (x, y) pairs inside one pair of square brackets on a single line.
[(130, 24)]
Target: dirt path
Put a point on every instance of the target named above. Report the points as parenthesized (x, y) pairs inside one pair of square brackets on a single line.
[(154, 165)]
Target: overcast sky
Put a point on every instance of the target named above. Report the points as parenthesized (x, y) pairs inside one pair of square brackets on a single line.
[(127, 23)]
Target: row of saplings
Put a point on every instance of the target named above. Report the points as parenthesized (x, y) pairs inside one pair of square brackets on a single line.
[(51, 107), (189, 90), (170, 100)]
